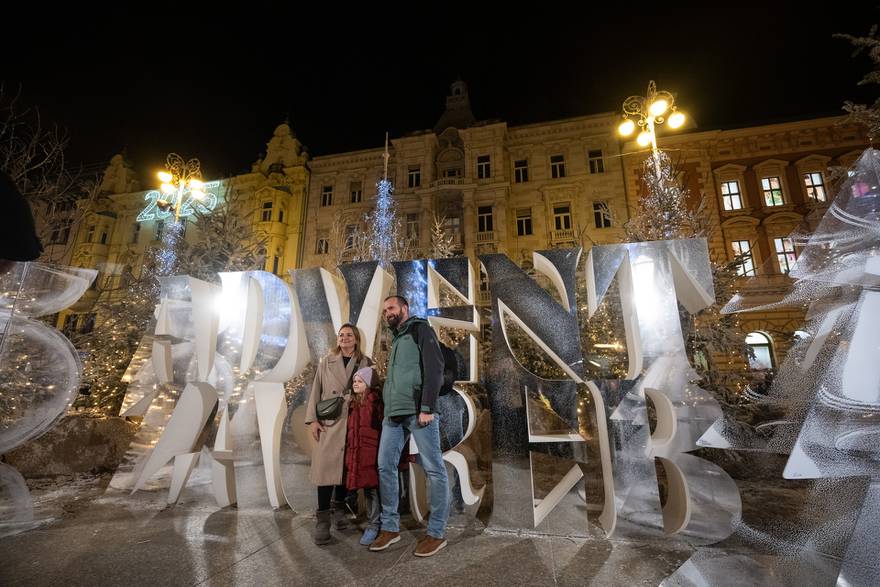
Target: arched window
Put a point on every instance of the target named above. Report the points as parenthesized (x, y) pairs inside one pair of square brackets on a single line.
[(762, 347)]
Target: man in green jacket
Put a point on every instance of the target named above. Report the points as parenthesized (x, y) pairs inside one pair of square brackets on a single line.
[(414, 378)]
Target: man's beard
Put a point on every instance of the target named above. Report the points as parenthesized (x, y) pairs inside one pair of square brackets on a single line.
[(393, 321)]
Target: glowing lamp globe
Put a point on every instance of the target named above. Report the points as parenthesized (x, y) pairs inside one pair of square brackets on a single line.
[(658, 107), (676, 120)]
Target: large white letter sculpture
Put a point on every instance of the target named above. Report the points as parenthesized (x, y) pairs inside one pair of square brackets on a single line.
[(703, 502), (262, 337), (423, 283)]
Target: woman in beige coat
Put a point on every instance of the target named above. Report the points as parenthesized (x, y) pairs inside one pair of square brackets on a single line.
[(332, 379)]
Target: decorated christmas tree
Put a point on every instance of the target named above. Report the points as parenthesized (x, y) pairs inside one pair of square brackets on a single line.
[(715, 341)]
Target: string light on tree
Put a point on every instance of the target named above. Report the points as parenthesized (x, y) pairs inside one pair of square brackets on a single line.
[(385, 224)]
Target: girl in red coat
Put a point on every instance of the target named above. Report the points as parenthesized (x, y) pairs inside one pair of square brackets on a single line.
[(362, 445)]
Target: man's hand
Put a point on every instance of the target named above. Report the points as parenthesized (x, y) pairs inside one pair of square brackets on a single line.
[(425, 419), (316, 430)]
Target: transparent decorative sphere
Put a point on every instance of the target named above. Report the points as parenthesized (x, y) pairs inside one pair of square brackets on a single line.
[(39, 378)]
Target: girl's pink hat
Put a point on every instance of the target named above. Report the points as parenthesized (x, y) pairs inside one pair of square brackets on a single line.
[(367, 374)]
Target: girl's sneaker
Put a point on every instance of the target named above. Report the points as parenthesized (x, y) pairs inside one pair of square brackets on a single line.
[(369, 536)]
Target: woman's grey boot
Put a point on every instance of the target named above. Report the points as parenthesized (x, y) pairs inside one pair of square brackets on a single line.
[(322, 528), (340, 515)]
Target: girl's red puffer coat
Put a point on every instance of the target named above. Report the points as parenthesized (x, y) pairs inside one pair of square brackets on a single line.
[(362, 443)]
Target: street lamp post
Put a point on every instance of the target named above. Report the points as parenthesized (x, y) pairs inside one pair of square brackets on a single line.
[(649, 111), (179, 178)]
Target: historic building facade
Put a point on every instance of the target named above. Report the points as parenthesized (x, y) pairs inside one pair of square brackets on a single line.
[(759, 185), (508, 189), (123, 221)]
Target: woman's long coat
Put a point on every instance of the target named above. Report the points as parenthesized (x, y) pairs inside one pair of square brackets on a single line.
[(331, 379)]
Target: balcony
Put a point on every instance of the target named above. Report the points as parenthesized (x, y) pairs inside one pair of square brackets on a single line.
[(563, 235), (444, 181), (486, 237), (484, 298)]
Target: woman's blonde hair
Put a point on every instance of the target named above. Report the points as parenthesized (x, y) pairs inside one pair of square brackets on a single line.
[(357, 355)]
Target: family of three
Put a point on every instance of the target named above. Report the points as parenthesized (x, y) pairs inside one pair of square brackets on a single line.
[(361, 446)]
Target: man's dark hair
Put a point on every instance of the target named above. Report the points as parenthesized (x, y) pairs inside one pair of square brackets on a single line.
[(400, 300)]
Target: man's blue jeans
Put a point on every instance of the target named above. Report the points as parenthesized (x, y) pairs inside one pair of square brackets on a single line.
[(391, 444)]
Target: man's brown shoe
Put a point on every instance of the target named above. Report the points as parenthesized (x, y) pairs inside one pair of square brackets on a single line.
[(429, 545), (384, 540)]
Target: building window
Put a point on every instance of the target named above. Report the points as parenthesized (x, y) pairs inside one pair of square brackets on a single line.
[(730, 195), (414, 176), (350, 235), (135, 233), (275, 261), (484, 167), (62, 207), (524, 221), (322, 247), (784, 253), (742, 250), (601, 215), (90, 233), (412, 228), (267, 212), (762, 349), (60, 234), (452, 227), (87, 322), (327, 195), (557, 166), (484, 219), (452, 172), (597, 161), (281, 215), (103, 237), (357, 192), (815, 184), (562, 217), (772, 188), (521, 171)]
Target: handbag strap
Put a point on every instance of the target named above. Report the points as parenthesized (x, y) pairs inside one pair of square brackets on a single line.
[(348, 388)]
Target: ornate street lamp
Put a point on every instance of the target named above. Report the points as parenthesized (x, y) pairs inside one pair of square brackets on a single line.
[(655, 108), (179, 178)]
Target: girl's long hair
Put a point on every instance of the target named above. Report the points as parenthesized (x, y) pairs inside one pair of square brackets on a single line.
[(376, 387)]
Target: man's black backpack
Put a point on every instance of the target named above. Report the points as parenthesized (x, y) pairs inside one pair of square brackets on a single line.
[(450, 368)]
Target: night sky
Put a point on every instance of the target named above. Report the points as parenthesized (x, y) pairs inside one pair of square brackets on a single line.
[(217, 90)]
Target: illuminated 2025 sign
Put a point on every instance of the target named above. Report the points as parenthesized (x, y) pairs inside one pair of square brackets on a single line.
[(188, 208)]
